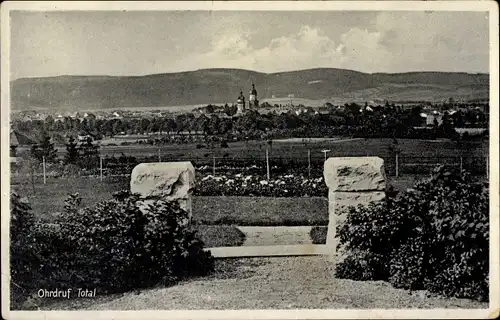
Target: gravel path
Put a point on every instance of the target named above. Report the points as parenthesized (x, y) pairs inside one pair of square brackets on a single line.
[(268, 283), (268, 236)]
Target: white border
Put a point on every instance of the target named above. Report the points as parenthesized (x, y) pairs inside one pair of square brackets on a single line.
[(491, 6)]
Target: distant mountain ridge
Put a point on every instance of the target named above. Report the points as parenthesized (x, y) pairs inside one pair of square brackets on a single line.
[(223, 86)]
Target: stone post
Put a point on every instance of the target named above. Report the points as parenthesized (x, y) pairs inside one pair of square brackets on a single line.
[(351, 181), (173, 181)]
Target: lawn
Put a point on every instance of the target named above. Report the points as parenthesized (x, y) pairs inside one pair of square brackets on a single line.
[(49, 199), (261, 211)]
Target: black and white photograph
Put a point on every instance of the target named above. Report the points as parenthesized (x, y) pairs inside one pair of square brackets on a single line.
[(241, 159)]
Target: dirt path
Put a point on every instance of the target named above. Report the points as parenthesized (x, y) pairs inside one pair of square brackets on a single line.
[(268, 236), (268, 283)]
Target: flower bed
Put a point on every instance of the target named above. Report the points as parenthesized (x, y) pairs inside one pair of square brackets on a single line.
[(255, 185)]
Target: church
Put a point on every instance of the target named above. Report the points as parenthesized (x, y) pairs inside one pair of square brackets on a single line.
[(253, 102)]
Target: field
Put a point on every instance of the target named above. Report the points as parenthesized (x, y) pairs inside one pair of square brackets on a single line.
[(298, 150), (411, 150)]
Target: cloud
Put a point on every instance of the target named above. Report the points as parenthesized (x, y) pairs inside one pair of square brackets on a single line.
[(397, 42), (306, 49), (145, 43)]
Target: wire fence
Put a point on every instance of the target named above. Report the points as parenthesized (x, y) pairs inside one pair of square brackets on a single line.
[(307, 163), (395, 166)]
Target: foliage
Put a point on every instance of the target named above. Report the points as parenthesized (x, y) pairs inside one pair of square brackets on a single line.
[(348, 120), (89, 155), (220, 236), (72, 154), (433, 237), (44, 149), (131, 242), (318, 234), (22, 242), (121, 244)]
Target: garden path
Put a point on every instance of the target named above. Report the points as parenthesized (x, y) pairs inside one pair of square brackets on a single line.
[(267, 283)]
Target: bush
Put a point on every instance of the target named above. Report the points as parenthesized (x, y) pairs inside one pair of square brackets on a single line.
[(433, 237), (22, 221), (318, 234), (132, 242), (121, 244)]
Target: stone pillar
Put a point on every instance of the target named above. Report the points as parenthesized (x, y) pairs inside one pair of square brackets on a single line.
[(173, 181), (351, 181)]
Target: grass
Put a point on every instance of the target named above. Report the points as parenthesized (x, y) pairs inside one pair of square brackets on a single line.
[(49, 198), (298, 150), (257, 211), (268, 283), (261, 211)]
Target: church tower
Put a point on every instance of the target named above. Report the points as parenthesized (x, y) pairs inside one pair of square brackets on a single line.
[(241, 103), (253, 103)]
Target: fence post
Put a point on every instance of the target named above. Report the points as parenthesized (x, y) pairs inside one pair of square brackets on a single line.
[(461, 164), (267, 163), (44, 177), (159, 155), (397, 165), (309, 163), (213, 166), (100, 165)]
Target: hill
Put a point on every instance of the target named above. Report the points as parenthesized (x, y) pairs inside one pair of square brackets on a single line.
[(223, 85)]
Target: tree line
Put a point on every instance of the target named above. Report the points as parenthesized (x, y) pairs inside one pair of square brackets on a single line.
[(350, 120), (84, 155)]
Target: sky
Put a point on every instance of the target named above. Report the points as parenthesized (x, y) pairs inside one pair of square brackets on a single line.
[(140, 43)]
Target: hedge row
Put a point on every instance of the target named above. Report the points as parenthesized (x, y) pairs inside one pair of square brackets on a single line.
[(434, 237), (122, 244)]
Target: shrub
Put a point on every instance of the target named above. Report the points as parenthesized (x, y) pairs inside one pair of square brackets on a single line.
[(433, 237), (132, 242), (125, 243), (318, 234), (21, 241)]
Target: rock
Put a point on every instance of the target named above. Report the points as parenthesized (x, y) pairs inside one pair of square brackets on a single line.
[(355, 174), (172, 181), (352, 181)]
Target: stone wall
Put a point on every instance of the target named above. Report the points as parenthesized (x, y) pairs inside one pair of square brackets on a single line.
[(173, 181), (351, 181)]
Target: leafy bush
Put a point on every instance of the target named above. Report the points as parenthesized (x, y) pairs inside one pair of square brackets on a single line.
[(318, 234), (121, 244), (22, 221), (132, 242), (433, 237)]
